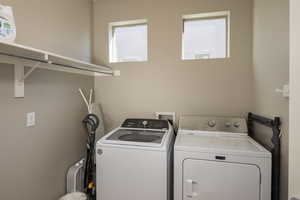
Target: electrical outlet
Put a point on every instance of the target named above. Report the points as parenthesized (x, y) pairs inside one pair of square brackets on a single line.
[(117, 73), (30, 121), (166, 116)]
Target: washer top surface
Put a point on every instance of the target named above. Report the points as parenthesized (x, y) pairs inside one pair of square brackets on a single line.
[(133, 135), (139, 133), (219, 143), (227, 137)]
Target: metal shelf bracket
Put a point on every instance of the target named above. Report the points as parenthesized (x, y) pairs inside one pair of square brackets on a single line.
[(20, 78)]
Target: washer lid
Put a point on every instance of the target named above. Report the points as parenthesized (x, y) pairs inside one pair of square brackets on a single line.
[(219, 143), (137, 137), (133, 135)]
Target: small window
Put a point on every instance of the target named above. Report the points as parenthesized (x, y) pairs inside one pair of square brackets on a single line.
[(206, 36), (128, 41)]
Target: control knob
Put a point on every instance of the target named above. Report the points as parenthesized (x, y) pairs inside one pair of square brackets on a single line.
[(211, 123), (145, 123), (236, 124)]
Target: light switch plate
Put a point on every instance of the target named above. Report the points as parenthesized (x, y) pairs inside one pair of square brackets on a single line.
[(285, 91), (30, 119)]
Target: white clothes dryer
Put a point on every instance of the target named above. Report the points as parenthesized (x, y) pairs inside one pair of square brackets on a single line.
[(215, 159)]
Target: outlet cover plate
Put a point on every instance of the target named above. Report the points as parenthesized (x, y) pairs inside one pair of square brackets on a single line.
[(30, 119)]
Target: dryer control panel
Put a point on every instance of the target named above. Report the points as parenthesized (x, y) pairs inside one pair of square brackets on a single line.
[(213, 124), (146, 124)]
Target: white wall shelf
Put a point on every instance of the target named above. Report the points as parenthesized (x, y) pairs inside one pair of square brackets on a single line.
[(22, 56)]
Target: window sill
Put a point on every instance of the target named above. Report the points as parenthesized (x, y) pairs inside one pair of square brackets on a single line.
[(119, 62), (207, 59)]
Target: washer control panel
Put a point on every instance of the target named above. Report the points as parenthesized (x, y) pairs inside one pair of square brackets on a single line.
[(221, 124), (146, 124)]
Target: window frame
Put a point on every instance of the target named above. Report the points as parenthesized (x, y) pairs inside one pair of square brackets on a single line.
[(112, 26), (206, 16)]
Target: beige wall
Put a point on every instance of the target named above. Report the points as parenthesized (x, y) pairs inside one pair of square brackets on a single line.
[(271, 68), (62, 27), (294, 162), (165, 82), (34, 160)]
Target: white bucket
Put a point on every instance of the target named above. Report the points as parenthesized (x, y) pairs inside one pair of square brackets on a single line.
[(74, 196)]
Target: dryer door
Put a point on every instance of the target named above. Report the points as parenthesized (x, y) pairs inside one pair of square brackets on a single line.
[(212, 180)]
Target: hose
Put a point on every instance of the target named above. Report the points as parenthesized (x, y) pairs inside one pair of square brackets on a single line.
[(91, 123)]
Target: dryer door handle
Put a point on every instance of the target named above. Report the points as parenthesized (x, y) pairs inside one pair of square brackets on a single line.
[(189, 185)]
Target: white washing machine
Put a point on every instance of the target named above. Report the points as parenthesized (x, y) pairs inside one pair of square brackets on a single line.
[(133, 161), (215, 159)]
